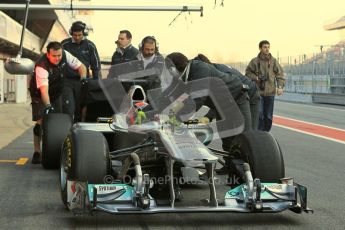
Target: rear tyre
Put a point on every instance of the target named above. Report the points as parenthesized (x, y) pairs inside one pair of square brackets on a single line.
[(55, 129), (262, 151)]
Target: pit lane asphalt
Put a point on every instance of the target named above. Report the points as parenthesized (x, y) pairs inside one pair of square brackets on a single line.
[(30, 196)]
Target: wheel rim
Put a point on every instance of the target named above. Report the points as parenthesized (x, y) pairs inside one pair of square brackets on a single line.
[(63, 170)]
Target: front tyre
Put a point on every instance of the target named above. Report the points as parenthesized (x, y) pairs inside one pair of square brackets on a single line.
[(262, 151), (84, 158)]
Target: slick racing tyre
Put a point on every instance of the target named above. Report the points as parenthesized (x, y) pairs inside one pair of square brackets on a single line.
[(55, 129), (262, 151), (89, 158), (85, 158)]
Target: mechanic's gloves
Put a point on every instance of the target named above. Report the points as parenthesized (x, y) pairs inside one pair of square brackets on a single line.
[(84, 82), (48, 109), (280, 91), (204, 120)]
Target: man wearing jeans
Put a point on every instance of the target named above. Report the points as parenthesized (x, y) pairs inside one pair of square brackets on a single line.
[(268, 75)]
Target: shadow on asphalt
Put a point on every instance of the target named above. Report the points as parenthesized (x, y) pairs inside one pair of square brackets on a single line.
[(213, 220)]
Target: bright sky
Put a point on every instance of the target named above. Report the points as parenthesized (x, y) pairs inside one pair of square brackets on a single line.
[(225, 34)]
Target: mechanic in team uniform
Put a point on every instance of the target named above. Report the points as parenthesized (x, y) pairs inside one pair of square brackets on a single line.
[(194, 70), (253, 93), (85, 50), (151, 58), (46, 87), (125, 51), (148, 63)]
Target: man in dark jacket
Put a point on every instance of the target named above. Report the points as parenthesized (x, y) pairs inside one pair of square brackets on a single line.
[(253, 93), (195, 69), (125, 51), (86, 51), (46, 87)]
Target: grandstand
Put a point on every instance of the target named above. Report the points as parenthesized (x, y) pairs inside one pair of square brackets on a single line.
[(337, 50), (321, 75)]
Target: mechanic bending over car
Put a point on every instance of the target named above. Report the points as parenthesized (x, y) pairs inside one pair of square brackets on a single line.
[(86, 51), (196, 69), (46, 87), (254, 97)]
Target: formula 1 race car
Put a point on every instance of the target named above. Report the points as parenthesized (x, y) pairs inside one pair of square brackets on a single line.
[(151, 151)]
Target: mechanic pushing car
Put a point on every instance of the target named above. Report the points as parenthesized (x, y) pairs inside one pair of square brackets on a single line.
[(46, 87)]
